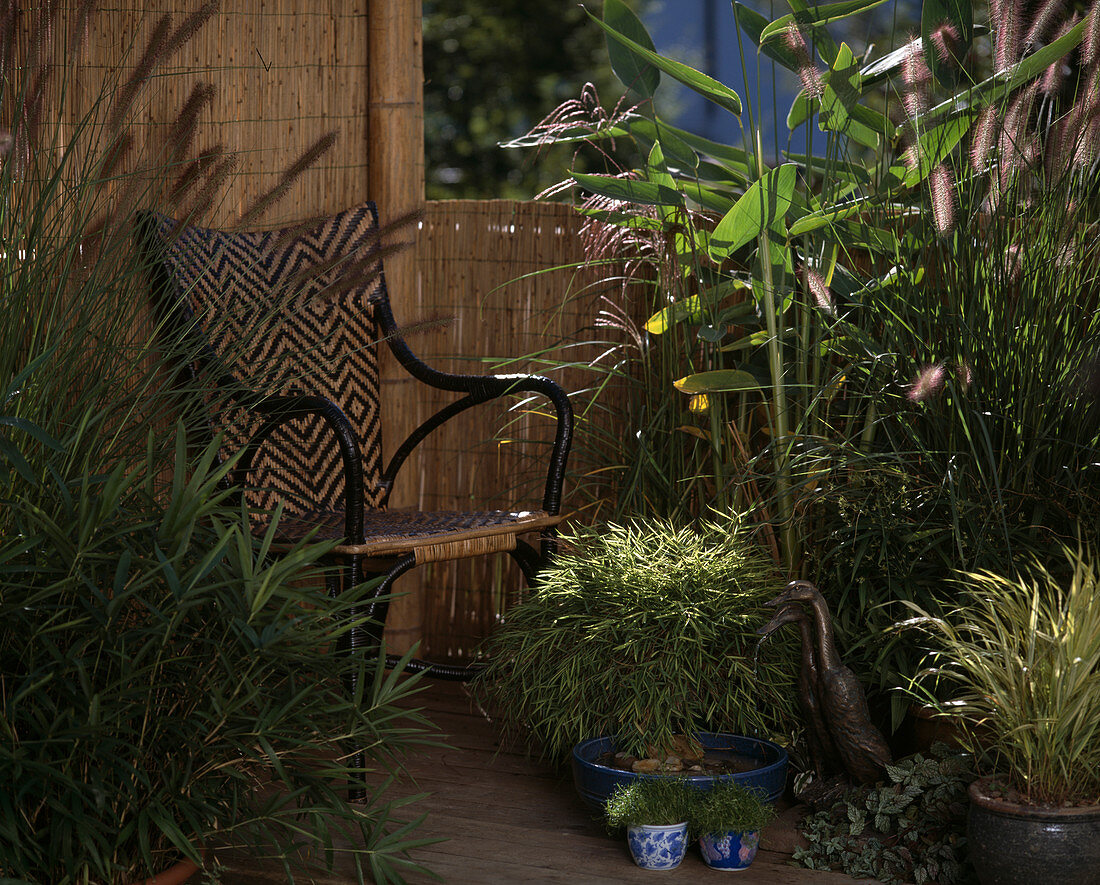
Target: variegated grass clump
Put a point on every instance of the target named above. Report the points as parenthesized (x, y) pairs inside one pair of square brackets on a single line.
[(642, 630), (1023, 652)]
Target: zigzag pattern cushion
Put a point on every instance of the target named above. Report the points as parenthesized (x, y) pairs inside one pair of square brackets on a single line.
[(291, 310)]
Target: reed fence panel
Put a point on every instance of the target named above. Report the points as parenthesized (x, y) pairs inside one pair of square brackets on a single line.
[(282, 75), (500, 287)]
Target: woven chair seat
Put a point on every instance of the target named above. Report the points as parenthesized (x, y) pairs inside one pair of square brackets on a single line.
[(431, 536)]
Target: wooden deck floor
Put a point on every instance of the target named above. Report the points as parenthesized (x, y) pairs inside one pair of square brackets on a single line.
[(509, 819)]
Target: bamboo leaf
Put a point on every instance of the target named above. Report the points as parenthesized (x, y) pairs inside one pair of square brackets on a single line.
[(840, 96), (689, 309), (933, 148), (753, 24), (803, 107)]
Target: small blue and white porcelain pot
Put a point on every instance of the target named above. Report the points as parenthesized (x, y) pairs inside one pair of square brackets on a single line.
[(658, 847), (729, 851)]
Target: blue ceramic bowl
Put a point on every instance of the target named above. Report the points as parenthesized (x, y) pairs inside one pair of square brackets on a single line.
[(596, 782)]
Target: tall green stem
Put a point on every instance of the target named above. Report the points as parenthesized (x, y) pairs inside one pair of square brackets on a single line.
[(780, 430)]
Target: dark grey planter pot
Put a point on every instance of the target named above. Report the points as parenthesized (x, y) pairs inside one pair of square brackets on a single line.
[(1013, 844)]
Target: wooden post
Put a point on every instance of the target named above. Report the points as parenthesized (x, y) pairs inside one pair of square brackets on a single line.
[(395, 157)]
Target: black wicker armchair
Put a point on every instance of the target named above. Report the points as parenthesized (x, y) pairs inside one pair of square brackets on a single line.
[(300, 311)]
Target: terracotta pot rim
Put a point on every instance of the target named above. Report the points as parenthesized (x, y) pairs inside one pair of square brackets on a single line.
[(176, 874), (980, 797)]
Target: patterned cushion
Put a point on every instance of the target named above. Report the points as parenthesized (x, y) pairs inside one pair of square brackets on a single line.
[(291, 310)]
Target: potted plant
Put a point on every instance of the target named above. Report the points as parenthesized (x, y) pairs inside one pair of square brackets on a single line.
[(640, 632), (655, 813), (1023, 654), (727, 821)]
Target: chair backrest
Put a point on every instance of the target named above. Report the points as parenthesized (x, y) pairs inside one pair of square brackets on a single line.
[(286, 311)]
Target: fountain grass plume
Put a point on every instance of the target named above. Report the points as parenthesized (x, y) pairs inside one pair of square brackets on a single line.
[(1090, 47), (1046, 19), (941, 184), (946, 41), (916, 81), (804, 65), (983, 139), (1006, 49)]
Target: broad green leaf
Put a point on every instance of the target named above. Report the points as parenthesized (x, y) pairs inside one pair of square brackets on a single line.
[(734, 159), (764, 204), (648, 132), (756, 339), (933, 148), (803, 107), (707, 197), (635, 74), (815, 16), (841, 92), (819, 39), (718, 381), (870, 118), (835, 170), (706, 86), (644, 193), (956, 16), (855, 234), (693, 309), (779, 250), (656, 168), (689, 309), (824, 217), (620, 219), (721, 174)]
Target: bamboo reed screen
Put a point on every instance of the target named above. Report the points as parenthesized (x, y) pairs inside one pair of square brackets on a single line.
[(486, 268), (282, 74)]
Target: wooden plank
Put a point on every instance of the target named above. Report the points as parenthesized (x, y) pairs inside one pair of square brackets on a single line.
[(507, 818)]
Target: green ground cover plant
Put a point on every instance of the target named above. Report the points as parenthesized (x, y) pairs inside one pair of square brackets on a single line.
[(909, 828)]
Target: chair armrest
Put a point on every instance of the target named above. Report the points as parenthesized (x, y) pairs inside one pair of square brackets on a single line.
[(280, 409), (480, 389)]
